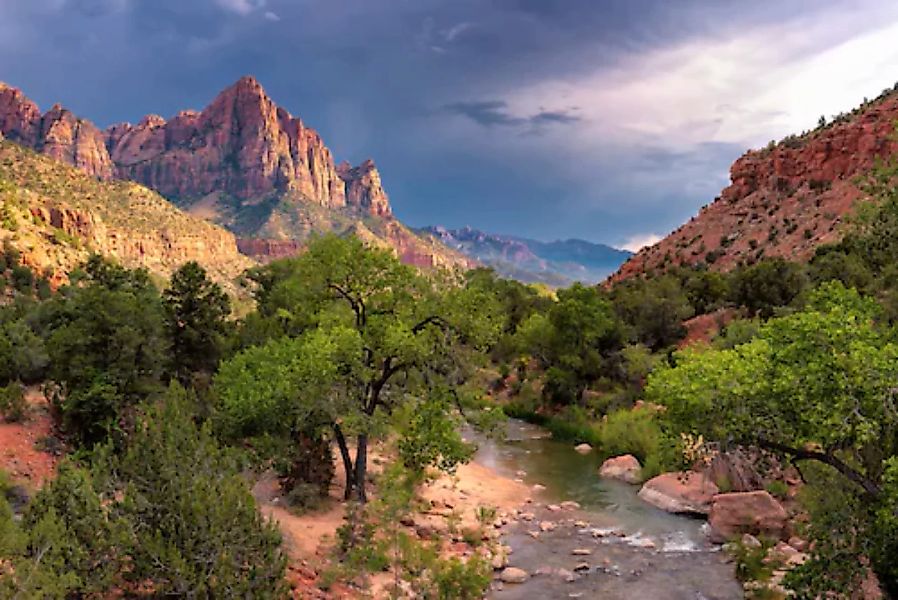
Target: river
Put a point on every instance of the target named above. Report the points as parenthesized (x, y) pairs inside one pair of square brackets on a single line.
[(635, 550)]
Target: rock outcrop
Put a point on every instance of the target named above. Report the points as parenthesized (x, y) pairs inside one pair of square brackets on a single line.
[(683, 492), (784, 200), (364, 189), (58, 133), (757, 513)]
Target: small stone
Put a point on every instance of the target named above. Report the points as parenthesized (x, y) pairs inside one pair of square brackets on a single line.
[(750, 541), (583, 448), (544, 571), (570, 505), (581, 524), (568, 576), (553, 507), (546, 526), (533, 534), (538, 487), (581, 551), (513, 575), (527, 516), (582, 567)]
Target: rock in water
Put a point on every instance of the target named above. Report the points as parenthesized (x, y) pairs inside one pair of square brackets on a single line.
[(514, 575), (680, 492), (625, 468), (583, 448)]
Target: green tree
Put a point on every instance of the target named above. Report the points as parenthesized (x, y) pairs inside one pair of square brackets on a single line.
[(572, 340), (817, 386), (196, 310), (107, 347), (371, 334), (768, 285), (198, 532), (653, 310)]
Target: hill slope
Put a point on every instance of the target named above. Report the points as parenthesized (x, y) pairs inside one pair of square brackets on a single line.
[(57, 215), (556, 263), (784, 200), (242, 162)]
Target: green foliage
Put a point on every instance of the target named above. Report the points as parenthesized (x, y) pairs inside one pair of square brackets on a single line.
[(107, 347), (572, 340), (23, 354), (362, 336), (428, 437), (736, 333), (639, 432), (816, 385), (13, 406), (196, 310), (778, 489), (186, 544), (767, 285), (654, 309)]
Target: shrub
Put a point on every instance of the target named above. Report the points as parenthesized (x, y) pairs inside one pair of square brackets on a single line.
[(13, 405), (778, 488), (304, 497), (630, 432), (198, 531)]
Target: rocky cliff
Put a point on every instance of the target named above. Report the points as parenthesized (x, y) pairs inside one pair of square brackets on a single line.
[(57, 216), (242, 162), (57, 133), (784, 200)]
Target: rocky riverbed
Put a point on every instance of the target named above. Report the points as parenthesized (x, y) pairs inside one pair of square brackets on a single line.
[(581, 536)]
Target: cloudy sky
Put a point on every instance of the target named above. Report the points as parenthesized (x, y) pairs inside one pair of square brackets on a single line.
[(608, 120)]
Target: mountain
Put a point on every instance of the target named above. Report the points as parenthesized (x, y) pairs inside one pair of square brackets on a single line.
[(783, 200), (56, 215), (558, 263), (242, 162)]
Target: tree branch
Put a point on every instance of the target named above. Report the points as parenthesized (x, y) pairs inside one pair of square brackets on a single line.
[(869, 486)]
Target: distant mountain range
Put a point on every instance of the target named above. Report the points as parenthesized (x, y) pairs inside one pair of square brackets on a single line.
[(558, 263)]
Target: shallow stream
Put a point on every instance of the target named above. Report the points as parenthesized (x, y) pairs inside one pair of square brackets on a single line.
[(635, 551)]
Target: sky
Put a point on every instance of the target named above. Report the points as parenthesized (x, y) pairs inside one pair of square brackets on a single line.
[(612, 121)]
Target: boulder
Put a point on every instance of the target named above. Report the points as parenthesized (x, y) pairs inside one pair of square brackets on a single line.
[(736, 513), (625, 468), (680, 492), (513, 575)]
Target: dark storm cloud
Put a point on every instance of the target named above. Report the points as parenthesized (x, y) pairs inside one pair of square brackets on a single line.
[(490, 113), (487, 112), (394, 79)]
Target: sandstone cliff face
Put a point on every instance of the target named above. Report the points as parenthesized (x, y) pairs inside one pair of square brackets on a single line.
[(242, 144), (57, 133), (364, 188), (243, 162), (783, 201), (62, 215)]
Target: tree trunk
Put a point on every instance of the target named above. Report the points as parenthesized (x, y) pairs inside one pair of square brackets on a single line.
[(361, 467), (347, 462)]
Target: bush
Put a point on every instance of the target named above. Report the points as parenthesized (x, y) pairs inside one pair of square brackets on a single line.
[(304, 497), (639, 432), (13, 405), (198, 531)]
